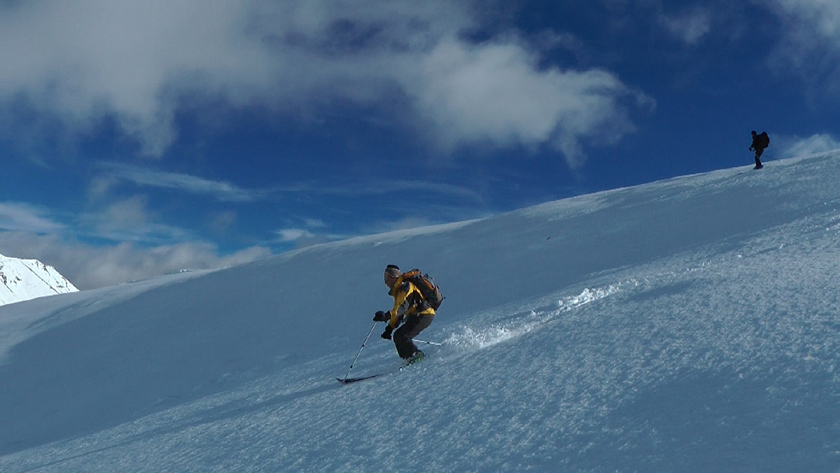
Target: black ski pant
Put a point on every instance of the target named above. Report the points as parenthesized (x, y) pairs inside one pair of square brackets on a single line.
[(414, 324), (758, 153)]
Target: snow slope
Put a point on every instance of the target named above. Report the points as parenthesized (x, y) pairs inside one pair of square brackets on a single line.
[(25, 279), (685, 325)]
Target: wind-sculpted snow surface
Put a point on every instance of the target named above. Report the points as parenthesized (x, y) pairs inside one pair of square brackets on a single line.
[(686, 325)]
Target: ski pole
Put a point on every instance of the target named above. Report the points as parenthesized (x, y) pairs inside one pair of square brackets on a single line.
[(360, 351), (427, 343)]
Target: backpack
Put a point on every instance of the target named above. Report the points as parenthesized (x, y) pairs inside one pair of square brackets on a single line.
[(426, 285), (765, 138)]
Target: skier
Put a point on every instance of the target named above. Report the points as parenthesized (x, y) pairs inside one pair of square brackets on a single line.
[(759, 142), (410, 309)]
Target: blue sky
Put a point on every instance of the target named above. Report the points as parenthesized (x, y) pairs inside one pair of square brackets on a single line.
[(140, 138)]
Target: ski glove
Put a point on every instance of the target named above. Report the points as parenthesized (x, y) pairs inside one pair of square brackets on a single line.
[(381, 316), (387, 333)]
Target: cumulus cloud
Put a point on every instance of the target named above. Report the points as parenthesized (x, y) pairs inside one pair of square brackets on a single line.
[(494, 93), (149, 248), (819, 18), (811, 40), (138, 62), (90, 267)]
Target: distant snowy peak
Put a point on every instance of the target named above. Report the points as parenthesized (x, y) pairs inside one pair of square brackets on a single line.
[(25, 279)]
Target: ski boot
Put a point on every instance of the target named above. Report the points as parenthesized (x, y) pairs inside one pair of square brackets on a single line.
[(417, 356)]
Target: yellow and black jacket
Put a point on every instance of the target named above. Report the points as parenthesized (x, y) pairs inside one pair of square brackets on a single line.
[(407, 301)]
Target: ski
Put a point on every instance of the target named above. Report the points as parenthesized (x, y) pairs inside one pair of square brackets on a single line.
[(362, 378)]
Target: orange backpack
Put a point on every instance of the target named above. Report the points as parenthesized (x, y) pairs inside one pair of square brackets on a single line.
[(428, 289)]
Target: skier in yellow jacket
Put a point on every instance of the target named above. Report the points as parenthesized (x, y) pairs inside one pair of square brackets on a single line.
[(410, 309)]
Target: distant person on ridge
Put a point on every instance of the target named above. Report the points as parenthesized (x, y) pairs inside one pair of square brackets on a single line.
[(759, 142), (415, 299)]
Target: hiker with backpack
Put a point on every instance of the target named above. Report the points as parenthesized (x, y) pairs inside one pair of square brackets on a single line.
[(416, 297), (759, 142)]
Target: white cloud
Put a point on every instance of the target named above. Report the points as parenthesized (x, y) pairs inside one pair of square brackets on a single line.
[(222, 222), (494, 93), (89, 267), (308, 232), (300, 237), (314, 223), (27, 218), (810, 40), (293, 234), (818, 17), (406, 223), (27, 231), (84, 60), (127, 219), (389, 187), (112, 174), (689, 27), (222, 191), (129, 214)]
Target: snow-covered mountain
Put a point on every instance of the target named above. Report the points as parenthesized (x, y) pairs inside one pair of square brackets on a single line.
[(25, 279), (691, 324)]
